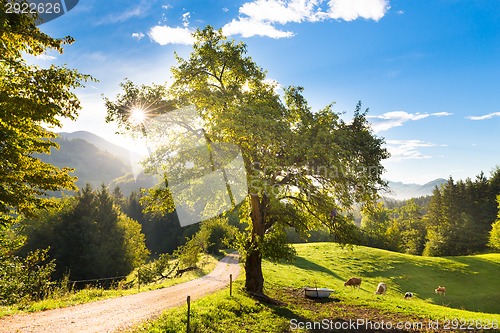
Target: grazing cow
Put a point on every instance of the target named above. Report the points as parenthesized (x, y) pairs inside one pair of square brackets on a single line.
[(354, 282), (381, 289), (440, 290), (408, 295)]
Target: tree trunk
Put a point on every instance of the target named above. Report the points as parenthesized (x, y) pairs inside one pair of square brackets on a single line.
[(254, 282), (253, 262)]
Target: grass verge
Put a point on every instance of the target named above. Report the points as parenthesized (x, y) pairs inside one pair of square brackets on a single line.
[(63, 298)]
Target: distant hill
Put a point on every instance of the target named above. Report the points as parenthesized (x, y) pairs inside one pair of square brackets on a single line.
[(96, 161), (91, 164), (402, 191), (100, 143)]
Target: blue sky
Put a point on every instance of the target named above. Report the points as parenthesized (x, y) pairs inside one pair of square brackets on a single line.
[(428, 70)]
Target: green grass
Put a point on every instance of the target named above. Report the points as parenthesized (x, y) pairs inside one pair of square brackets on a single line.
[(472, 286), (63, 298), (219, 313), (472, 282)]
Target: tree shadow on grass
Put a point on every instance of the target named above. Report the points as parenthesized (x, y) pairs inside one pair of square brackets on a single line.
[(327, 323), (303, 263)]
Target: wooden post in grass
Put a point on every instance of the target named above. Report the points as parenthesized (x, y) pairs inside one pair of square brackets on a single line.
[(230, 284), (188, 314)]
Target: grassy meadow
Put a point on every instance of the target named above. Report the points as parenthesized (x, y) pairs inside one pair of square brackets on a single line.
[(473, 291), (472, 282)]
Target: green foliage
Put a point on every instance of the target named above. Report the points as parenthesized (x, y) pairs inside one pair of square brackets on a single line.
[(162, 232), (217, 234), (29, 98), (214, 235), (275, 246), (89, 237), (24, 279), (460, 216), (457, 220), (494, 239), (412, 228), (154, 270), (374, 224)]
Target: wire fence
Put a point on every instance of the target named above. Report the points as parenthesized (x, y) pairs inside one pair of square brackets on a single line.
[(69, 285)]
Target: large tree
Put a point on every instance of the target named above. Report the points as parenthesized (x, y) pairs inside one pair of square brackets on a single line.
[(32, 99), (304, 169)]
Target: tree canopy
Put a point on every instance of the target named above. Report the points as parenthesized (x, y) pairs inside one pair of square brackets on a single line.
[(494, 237), (32, 99), (458, 219), (303, 168)]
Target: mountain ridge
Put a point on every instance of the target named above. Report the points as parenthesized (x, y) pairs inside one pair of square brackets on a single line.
[(405, 191)]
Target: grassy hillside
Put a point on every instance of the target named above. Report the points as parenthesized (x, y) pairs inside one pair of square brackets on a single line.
[(472, 282)]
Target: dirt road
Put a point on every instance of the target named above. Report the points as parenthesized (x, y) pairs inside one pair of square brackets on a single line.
[(116, 314)]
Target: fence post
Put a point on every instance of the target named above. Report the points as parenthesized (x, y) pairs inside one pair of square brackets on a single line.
[(230, 284), (188, 314)]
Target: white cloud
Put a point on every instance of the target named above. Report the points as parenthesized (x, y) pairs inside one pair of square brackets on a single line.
[(248, 28), (95, 57), (259, 17), (185, 19), (408, 149), (138, 35), (138, 11), (281, 11), (164, 35), (484, 117), (45, 57), (392, 119), (441, 114), (349, 10)]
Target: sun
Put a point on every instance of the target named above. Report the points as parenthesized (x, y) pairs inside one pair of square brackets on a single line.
[(137, 116)]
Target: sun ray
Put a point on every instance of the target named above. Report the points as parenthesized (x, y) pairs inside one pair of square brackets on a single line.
[(137, 115)]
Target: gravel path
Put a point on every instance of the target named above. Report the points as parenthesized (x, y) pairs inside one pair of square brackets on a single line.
[(116, 314)]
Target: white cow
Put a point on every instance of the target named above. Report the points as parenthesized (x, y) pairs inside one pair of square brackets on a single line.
[(381, 289)]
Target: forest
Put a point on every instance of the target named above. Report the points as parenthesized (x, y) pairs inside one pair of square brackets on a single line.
[(458, 219)]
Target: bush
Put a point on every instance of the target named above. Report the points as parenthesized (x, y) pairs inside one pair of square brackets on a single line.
[(25, 279), (154, 270)]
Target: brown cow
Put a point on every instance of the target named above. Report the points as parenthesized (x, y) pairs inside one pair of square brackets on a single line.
[(354, 282), (440, 290)]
